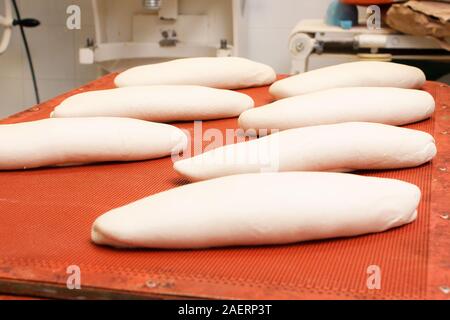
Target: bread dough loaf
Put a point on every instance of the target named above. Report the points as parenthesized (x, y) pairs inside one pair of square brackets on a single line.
[(260, 209), (352, 74), (157, 103), (338, 147), (71, 141), (221, 73), (392, 106)]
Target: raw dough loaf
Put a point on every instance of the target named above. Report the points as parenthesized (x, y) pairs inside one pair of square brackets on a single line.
[(260, 209), (392, 106), (221, 73), (157, 103), (338, 148), (72, 141), (352, 74)]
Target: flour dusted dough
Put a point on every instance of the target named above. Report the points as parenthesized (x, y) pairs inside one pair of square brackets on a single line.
[(157, 103), (392, 106), (339, 148), (352, 74), (53, 142), (260, 209), (221, 73)]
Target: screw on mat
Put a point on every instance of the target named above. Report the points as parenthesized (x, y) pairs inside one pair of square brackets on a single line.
[(33, 109), (445, 289), (445, 216), (443, 169), (151, 284), (444, 132)]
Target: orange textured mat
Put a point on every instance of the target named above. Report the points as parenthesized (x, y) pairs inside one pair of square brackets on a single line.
[(46, 216), (7, 298)]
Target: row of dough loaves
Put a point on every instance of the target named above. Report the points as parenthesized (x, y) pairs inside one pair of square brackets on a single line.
[(332, 123), (336, 119), (108, 125)]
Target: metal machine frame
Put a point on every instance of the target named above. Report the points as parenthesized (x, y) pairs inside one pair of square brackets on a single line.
[(312, 37)]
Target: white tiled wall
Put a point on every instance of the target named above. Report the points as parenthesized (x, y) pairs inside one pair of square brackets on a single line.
[(270, 23), (55, 55), (55, 48)]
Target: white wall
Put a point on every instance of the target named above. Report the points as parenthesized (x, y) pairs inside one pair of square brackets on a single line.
[(55, 55), (55, 48), (270, 23)]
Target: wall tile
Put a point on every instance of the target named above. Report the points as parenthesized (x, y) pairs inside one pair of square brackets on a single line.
[(259, 46), (257, 13), (310, 9), (283, 13), (11, 61), (10, 96), (281, 60), (270, 46), (49, 12), (53, 52), (87, 17)]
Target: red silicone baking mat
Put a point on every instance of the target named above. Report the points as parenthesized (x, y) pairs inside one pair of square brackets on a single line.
[(46, 217), (6, 298)]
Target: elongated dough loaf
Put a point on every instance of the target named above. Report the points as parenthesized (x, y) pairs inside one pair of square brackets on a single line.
[(352, 74), (260, 209), (52, 142), (221, 73), (392, 106), (157, 103), (340, 147)]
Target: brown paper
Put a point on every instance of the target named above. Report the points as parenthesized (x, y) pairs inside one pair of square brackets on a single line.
[(422, 18), (435, 9)]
